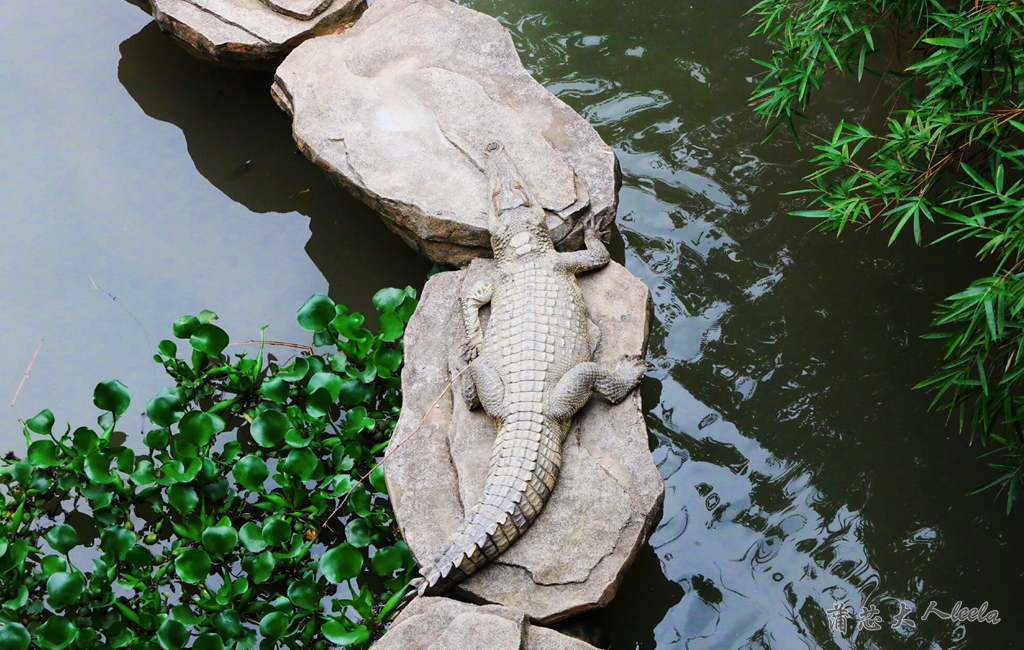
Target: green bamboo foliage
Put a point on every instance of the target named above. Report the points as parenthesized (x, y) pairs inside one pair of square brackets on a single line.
[(249, 512), (950, 153)]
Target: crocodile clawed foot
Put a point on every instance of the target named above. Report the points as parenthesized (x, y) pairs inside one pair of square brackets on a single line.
[(633, 368), (471, 350), (592, 226)]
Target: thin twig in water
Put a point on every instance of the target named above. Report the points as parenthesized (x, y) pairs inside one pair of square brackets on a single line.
[(27, 370), (126, 310), (393, 449), (308, 350)]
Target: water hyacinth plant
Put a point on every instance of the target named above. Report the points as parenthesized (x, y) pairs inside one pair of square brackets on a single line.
[(951, 152), (250, 513)]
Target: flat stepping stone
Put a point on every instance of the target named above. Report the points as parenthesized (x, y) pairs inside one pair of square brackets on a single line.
[(608, 494), (400, 107), (445, 624), (238, 31)]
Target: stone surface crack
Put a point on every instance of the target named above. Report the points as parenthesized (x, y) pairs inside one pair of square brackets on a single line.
[(227, 22)]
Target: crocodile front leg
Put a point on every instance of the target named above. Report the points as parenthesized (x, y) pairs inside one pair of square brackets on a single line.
[(594, 257), (575, 387)]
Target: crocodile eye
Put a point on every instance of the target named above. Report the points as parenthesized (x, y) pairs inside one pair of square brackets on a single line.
[(517, 186), (496, 192)]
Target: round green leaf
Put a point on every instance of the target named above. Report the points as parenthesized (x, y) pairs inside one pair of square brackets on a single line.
[(197, 427), (157, 438), (391, 326), (262, 567), (386, 561), (184, 326), (165, 409), (182, 498), (252, 537), (348, 325), (113, 396), (56, 633), (14, 637), (184, 615), (388, 299), (43, 453), (390, 358), (64, 588), (316, 313), (276, 390), (208, 641), (220, 539), (406, 309), (304, 594), (269, 427), (377, 479), (41, 423), (301, 463), (341, 563), (276, 531), (227, 623), (250, 472), (139, 557), (117, 540), (51, 564), (97, 468), (172, 635), (358, 533), (319, 403), (62, 538), (336, 633), (328, 380), (274, 625), (296, 371), (210, 339), (353, 392), (167, 348), (193, 565)]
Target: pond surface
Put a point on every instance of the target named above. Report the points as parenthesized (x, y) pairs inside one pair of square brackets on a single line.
[(139, 184)]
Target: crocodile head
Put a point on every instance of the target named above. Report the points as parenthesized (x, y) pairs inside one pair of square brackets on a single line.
[(518, 225)]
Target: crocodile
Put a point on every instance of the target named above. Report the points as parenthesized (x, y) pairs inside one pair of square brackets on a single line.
[(532, 370)]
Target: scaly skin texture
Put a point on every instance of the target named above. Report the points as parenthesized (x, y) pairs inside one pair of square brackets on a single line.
[(531, 371)]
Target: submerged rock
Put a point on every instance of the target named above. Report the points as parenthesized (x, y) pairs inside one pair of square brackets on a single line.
[(444, 624), (607, 495), (251, 30), (400, 107)]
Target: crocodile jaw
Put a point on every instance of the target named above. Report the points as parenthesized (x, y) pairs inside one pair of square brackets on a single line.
[(517, 224)]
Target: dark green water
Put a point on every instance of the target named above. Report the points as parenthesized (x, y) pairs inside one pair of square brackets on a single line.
[(800, 467)]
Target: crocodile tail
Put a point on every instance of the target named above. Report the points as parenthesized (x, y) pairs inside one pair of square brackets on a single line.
[(518, 486)]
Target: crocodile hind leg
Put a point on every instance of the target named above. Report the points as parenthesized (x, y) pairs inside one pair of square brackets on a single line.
[(575, 387), (483, 385)]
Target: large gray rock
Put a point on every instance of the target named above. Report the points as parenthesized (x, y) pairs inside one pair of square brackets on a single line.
[(400, 107), (607, 495), (444, 624), (251, 30)]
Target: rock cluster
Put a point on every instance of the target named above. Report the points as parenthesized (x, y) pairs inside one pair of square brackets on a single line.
[(444, 624), (242, 31), (609, 490), (400, 107)]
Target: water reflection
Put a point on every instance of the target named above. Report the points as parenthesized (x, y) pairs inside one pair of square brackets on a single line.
[(241, 142)]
